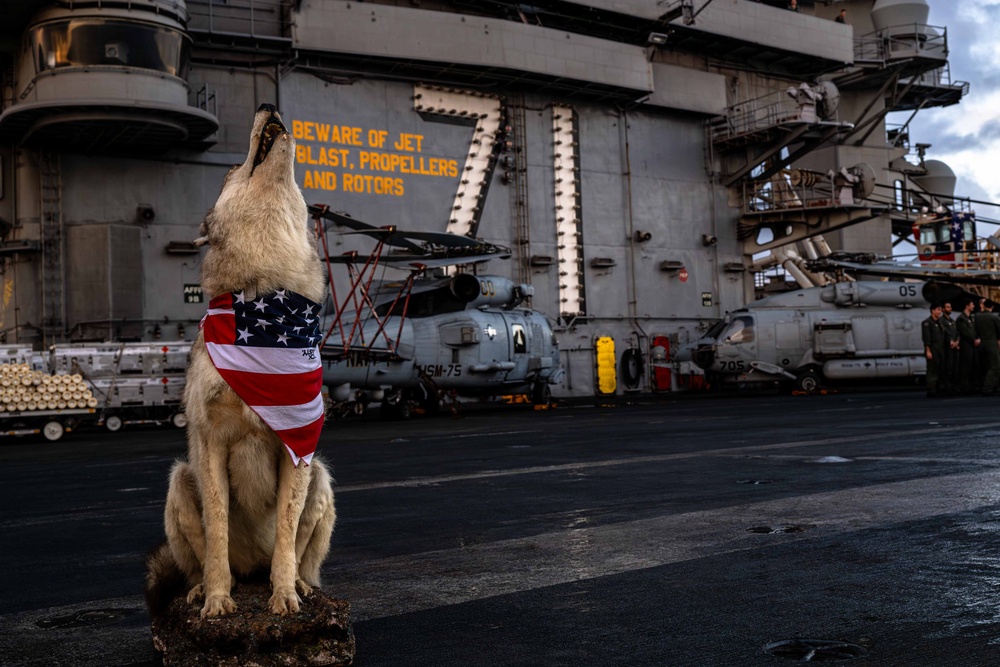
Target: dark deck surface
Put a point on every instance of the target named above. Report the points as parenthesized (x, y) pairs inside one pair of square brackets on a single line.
[(575, 536)]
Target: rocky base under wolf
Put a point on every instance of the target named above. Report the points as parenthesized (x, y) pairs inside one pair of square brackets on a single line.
[(320, 634)]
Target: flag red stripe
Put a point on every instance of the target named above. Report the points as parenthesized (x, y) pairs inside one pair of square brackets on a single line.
[(222, 301), (220, 329), (302, 440), (269, 389)]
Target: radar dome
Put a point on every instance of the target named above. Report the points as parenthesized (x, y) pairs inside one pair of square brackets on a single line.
[(899, 13), (939, 180)]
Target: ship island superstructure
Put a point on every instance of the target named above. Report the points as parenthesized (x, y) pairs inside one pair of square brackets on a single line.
[(644, 160)]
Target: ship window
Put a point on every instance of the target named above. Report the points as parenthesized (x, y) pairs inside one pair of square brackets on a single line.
[(740, 331), (927, 235), (943, 232), (89, 42)]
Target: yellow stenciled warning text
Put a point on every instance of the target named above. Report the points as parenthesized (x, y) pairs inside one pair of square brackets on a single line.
[(352, 152)]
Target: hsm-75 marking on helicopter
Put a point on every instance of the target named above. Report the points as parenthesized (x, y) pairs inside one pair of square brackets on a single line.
[(406, 342)]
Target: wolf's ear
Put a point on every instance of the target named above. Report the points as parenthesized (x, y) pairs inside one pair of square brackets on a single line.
[(203, 230)]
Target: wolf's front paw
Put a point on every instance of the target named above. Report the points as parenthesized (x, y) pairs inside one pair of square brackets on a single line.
[(285, 601), (218, 605), (303, 588), (196, 593)]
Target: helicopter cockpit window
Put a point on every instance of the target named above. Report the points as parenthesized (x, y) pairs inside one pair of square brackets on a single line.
[(715, 329), (740, 331), (89, 42)]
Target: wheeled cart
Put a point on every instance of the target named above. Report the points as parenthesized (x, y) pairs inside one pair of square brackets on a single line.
[(114, 419), (52, 424), (110, 385)]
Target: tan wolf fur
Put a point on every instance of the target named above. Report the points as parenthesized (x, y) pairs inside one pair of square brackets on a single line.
[(238, 505)]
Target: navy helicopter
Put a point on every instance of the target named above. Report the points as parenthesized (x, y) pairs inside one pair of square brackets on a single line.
[(859, 329), (430, 337)]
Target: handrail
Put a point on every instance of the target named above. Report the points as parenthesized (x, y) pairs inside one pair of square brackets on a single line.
[(796, 190), (760, 113), (254, 18), (881, 46), (779, 194)]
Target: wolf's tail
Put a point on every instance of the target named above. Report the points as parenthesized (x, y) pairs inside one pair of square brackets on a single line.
[(164, 580)]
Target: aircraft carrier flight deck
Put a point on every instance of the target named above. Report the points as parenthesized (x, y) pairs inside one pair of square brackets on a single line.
[(681, 532)]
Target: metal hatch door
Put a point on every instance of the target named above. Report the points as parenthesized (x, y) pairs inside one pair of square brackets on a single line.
[(519, 336), (494, 347), (870, 333)]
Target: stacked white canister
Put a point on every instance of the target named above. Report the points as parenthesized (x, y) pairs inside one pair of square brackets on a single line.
[(25, 390)]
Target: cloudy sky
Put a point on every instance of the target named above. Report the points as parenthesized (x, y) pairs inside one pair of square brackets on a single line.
[(966, 136)]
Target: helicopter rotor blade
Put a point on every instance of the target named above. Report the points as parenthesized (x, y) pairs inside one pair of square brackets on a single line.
[(960, 276)]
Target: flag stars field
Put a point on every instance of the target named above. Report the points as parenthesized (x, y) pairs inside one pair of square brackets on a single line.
[(276, 369)]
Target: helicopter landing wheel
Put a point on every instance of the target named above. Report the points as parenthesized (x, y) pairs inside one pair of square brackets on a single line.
[(396, 406), (427, 396), (541, 394), (807, 381)]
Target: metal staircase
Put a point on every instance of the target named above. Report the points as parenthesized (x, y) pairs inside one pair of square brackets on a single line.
[(517, 173), (53, 274)]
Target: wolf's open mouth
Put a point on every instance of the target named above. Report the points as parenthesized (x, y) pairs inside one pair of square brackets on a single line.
[(272, 128)]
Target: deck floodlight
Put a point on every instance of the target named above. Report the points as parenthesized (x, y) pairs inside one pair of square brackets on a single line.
[(657, 38)]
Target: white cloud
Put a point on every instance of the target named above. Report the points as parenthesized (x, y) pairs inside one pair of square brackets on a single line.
[(985, 51), (969, 118), (974, 11), (967, 136)]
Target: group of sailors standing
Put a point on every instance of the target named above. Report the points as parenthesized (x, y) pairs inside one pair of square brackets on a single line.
[(963, 353)]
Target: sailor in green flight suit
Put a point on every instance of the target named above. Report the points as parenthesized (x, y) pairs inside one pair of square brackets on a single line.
[(935, 340), (988, 330), (948, 382), (968, 350)]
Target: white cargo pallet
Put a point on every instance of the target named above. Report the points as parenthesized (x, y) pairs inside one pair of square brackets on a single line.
[(125, 391), (133, 383), (23, 354), (112, 359)]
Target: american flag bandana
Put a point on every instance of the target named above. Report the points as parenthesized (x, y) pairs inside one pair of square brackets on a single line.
[(266, 350)]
